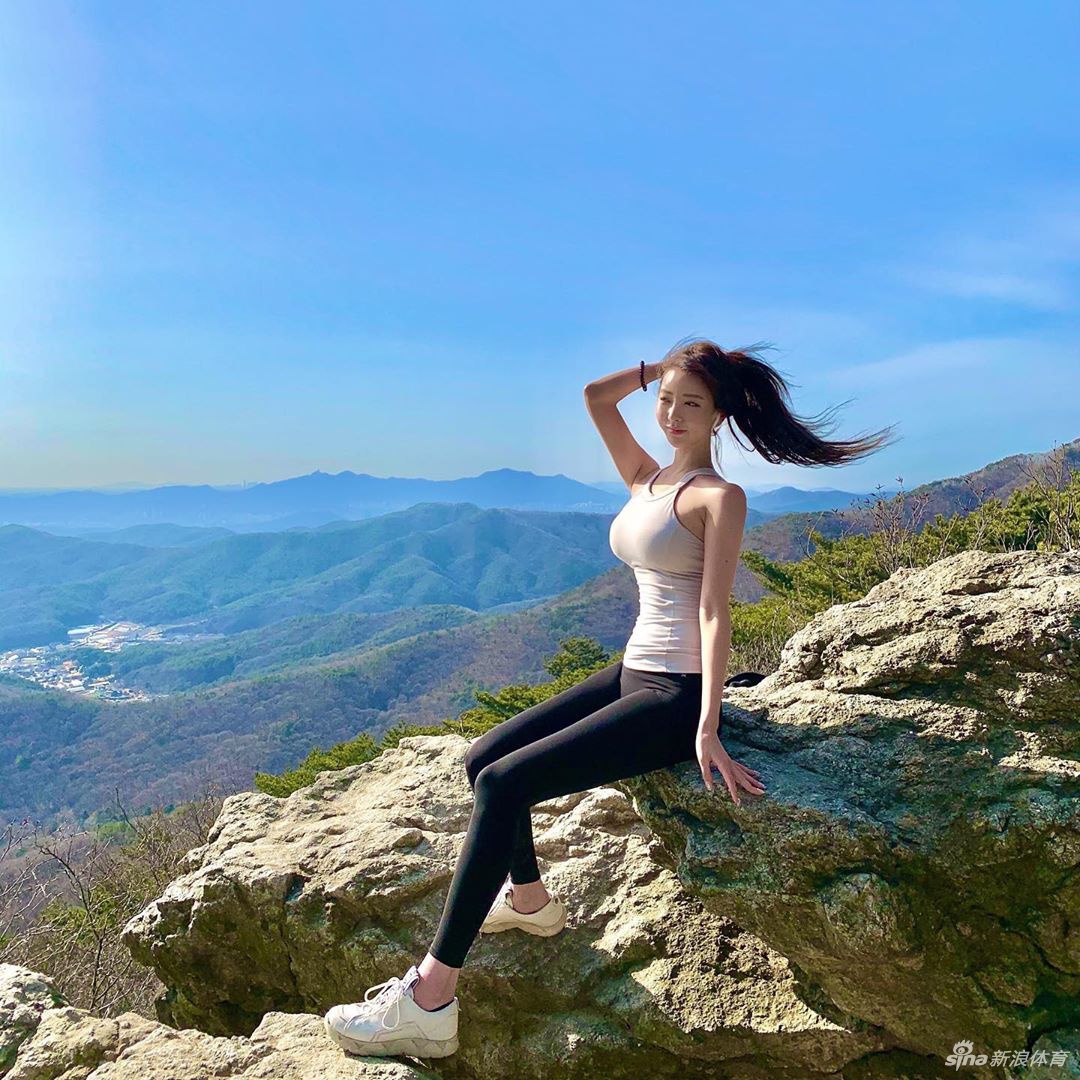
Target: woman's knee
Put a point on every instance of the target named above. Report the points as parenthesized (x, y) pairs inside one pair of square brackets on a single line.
[(474, 762), (497, 783), (482, 752)]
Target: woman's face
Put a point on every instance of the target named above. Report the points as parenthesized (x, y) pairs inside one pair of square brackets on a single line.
[(684, 409)]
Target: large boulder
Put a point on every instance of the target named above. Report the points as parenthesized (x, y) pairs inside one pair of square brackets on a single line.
[(906, 890), (296, 904), (65, 1043), (24, 997), (917, 856)]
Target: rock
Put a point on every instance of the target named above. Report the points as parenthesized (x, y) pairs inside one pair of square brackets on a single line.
[(297, 904), (917, 853), (70, 1044), (908, 884), (24, 997)]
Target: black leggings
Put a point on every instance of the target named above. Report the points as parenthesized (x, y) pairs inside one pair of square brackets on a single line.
[(617, 723)]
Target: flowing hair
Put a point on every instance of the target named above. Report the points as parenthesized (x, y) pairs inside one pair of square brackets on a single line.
[(751, 394)]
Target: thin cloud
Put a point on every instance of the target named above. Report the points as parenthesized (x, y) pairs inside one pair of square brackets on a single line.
[(932, 361), (1029, 257), (1045, 294)]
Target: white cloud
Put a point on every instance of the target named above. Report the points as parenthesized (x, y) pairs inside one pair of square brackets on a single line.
[(926, 361), (1044, 294), (1028, 255)]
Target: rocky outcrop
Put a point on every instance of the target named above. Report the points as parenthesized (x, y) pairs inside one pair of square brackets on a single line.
[(295, 904), (918, 854), (908, 883), (24, 997), (58, 1042)]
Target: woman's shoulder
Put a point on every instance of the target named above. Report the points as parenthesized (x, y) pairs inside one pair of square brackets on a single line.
[(714, 482), (714, 489)]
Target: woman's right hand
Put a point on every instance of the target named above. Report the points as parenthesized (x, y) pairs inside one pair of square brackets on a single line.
[(736, 775)]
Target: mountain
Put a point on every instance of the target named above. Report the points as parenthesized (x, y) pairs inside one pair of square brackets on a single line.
[(164, 535), (170, 666), (769, 502), (783, 537), (65, 754), (351, 627), (431, 553), (791, 500), (302, 501), (175, 515), (31, 559)]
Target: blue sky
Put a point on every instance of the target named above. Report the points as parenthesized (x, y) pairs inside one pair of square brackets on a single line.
[(247, 241)]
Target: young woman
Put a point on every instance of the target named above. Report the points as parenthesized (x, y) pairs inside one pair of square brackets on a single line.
[(656, 707)]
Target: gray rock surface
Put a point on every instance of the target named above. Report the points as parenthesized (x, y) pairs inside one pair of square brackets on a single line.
[(295, 904), (24, 997), (918, 854), (909, 882), (64, 1043)]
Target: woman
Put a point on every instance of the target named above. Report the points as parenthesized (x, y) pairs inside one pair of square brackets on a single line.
[(656, 707)]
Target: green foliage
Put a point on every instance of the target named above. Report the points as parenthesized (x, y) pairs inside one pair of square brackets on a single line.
[(838, 571), (353, 752), (578, 658), (76, 935), (118, 831), (85, 923), (93, 663)]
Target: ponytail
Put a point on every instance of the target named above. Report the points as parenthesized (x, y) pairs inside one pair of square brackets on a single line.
[(751, 394)]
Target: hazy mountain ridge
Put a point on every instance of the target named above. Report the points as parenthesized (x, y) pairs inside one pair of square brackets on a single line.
[(180, 514), (163, 535), (307, 501), (783, 499), (31, 558)]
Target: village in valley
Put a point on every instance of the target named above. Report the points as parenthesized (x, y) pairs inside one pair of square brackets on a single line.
[(57, 666)]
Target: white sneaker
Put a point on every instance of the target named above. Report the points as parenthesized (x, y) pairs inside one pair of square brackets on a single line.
[(549, 920), (364, 1027)]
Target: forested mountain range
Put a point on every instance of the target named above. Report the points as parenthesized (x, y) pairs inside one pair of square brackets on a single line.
[(326, 632), (64, 753), (431, 553)]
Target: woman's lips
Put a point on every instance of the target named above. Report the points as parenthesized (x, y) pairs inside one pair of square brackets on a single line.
[(677, 430)]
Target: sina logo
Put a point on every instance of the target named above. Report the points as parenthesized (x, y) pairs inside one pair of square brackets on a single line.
[(962, 1055)]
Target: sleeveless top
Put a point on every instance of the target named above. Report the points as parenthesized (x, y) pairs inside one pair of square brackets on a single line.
[(668, 561)]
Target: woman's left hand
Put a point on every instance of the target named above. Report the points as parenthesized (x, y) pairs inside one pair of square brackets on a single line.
[(710, 752)]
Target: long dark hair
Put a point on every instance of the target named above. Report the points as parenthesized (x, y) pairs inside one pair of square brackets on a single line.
[(751, 394)]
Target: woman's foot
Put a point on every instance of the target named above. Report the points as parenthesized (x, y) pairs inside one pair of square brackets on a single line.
[(528, 898), (427, 998), (392, 1022), (548, 919)]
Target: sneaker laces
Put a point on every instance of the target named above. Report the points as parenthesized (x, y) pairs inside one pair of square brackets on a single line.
[(387, 995)]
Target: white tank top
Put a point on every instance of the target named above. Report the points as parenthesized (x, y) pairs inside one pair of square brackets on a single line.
[(667, 560)]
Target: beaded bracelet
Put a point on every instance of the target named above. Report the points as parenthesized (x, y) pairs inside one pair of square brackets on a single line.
[(643, 386)]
